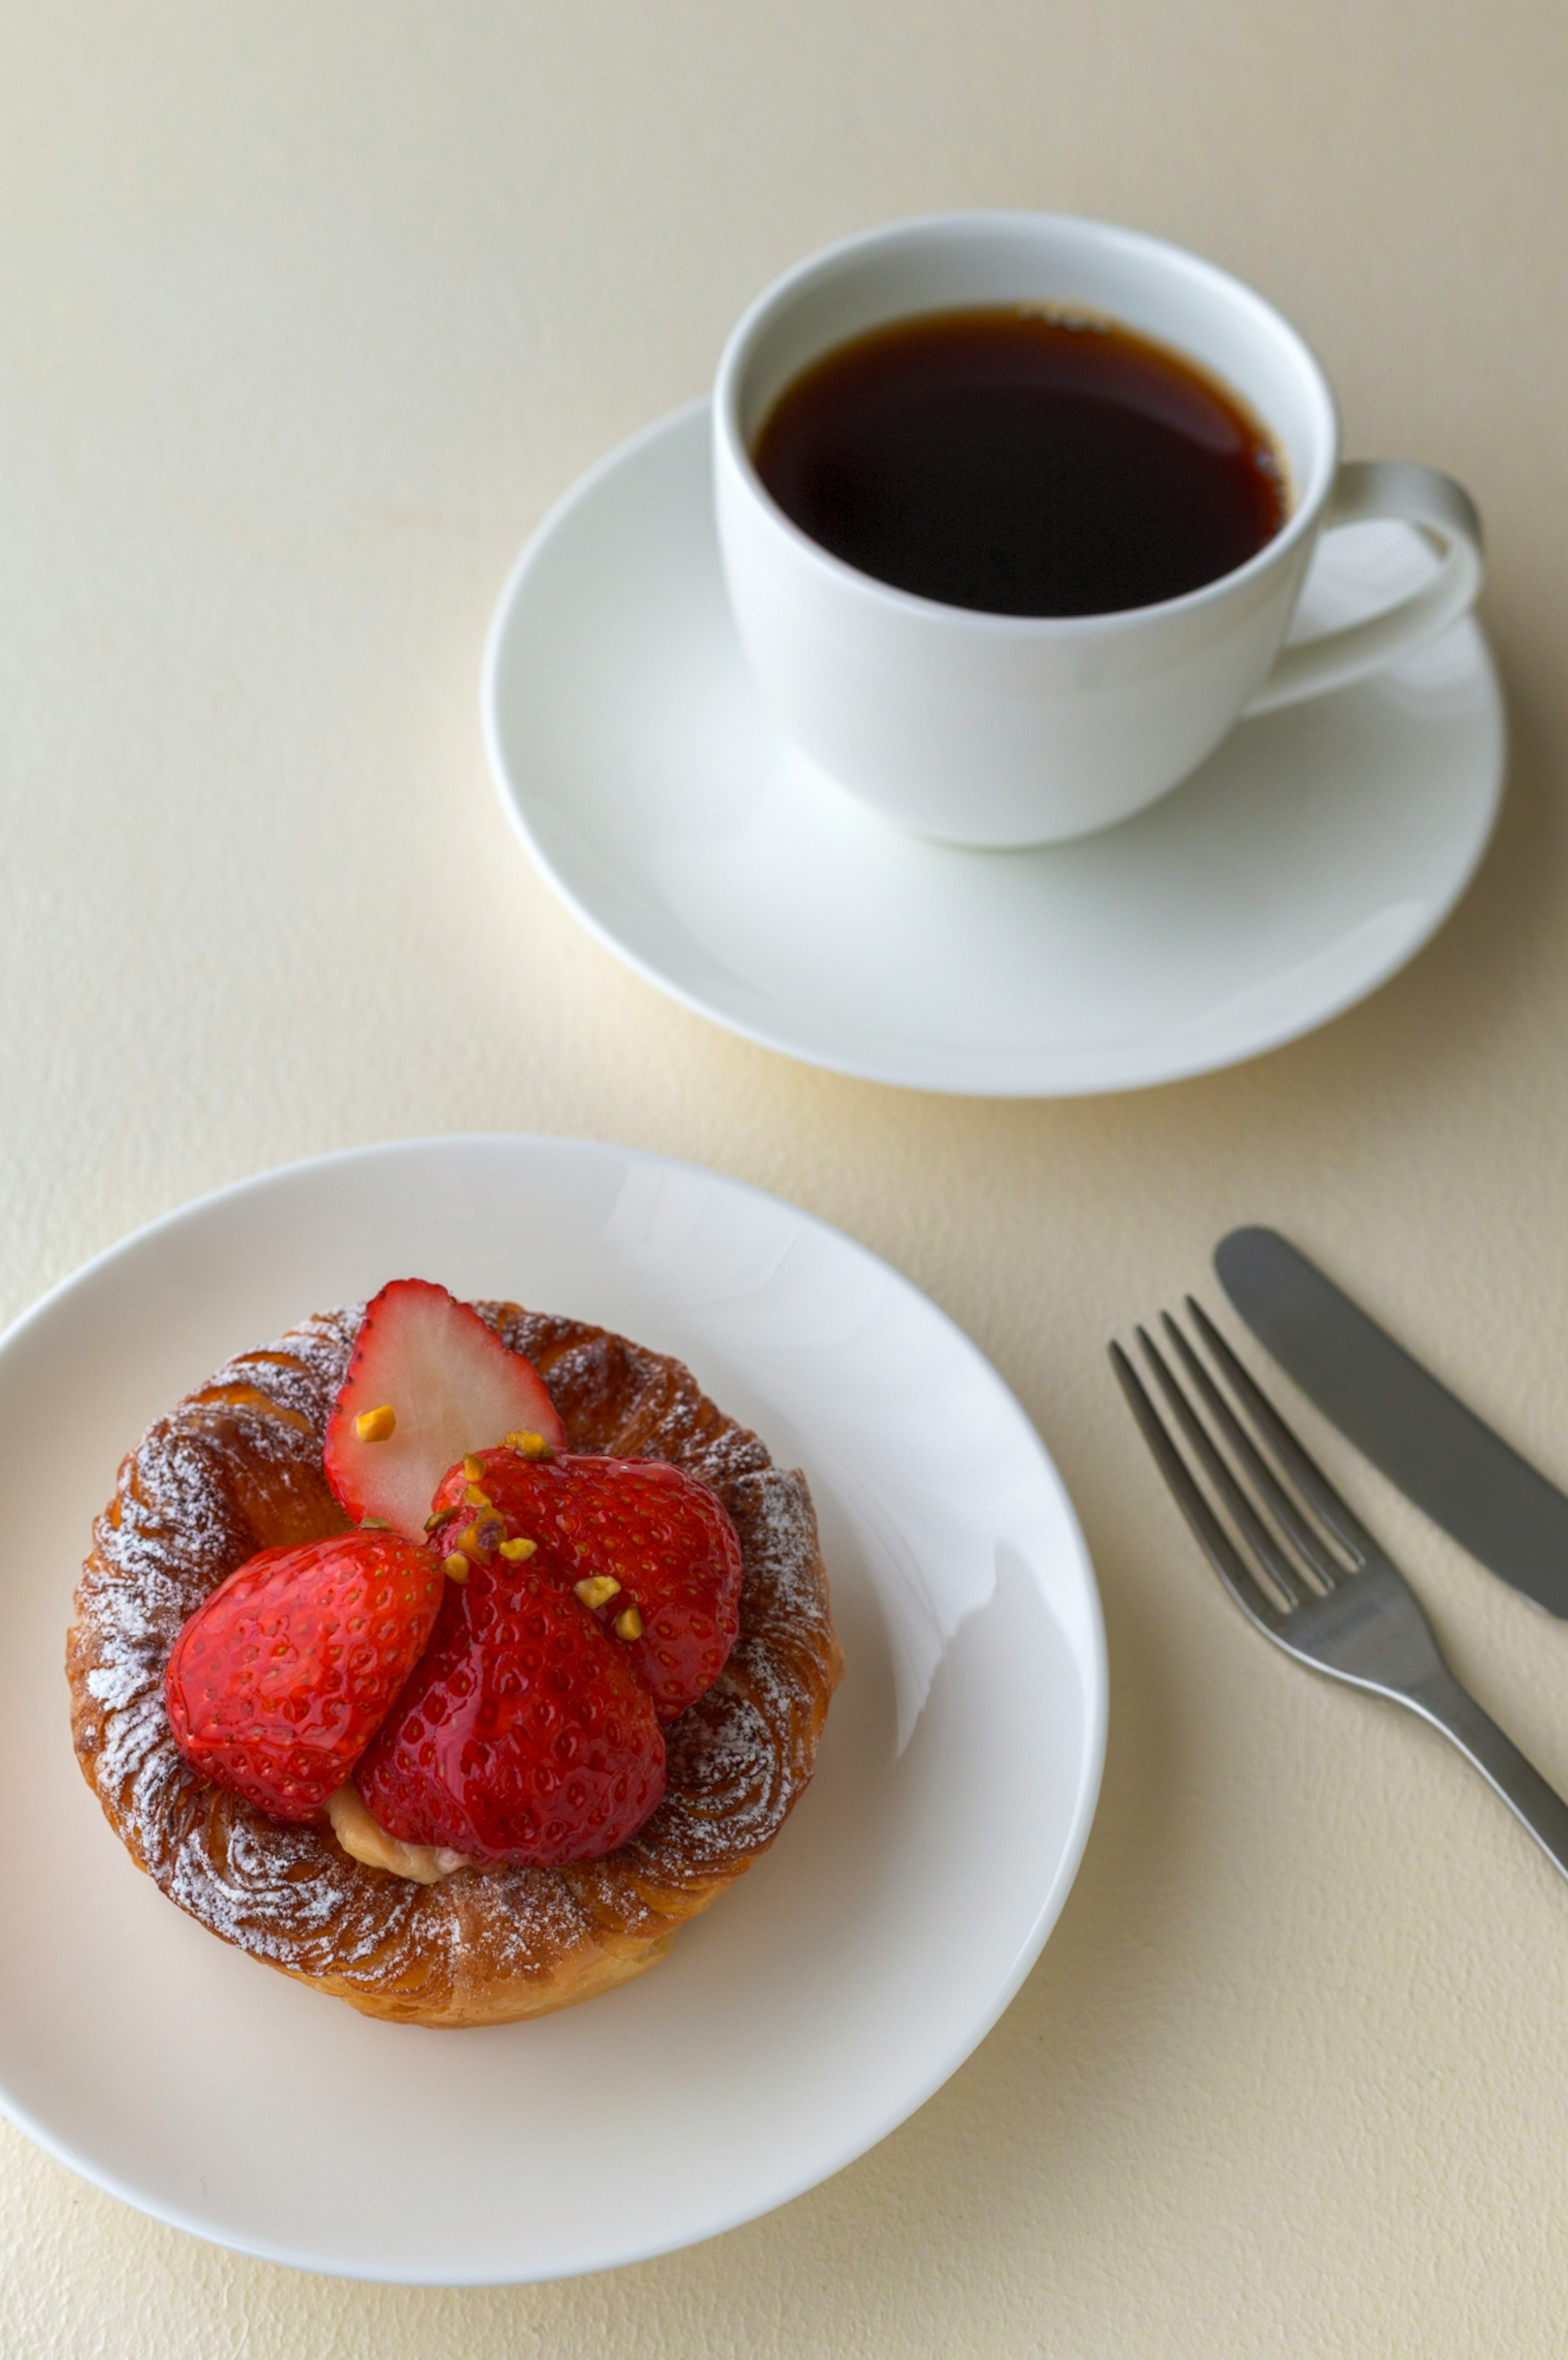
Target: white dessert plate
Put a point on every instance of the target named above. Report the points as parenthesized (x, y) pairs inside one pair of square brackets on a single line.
[(817, 2004), (1306, 862)]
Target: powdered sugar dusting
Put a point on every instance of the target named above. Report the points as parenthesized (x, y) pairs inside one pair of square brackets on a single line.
[(237, 1467)]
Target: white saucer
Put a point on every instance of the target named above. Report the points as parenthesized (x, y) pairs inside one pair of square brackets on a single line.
[(1309, 860), (813, 2008)]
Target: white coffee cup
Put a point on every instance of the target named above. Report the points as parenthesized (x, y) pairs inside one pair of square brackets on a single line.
[(1002, 729)]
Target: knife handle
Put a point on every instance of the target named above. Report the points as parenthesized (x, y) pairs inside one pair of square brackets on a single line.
[(1454, 1710)]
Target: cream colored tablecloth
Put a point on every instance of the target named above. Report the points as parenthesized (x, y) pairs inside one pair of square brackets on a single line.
[(306, 313)]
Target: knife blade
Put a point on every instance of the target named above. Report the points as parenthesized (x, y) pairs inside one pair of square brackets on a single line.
[(1442, 1456)]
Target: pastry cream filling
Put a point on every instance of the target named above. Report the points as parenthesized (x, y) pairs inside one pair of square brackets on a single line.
[(363, 1838)]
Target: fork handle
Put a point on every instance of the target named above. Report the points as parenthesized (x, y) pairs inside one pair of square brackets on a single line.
[(1454, 1710)]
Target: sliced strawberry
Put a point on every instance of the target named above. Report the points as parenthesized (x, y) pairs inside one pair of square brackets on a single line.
[(621, 1532), (428, 1381), (524, 1733), (281, 1679)]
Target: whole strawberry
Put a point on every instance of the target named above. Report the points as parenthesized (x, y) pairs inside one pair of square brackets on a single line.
[(524, 1735), (282, 1677), (645, 1548)]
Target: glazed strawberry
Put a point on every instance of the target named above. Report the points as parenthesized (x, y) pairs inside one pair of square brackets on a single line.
[(282, 1676), (646, 1548), (428, 1381), (523, 1735)]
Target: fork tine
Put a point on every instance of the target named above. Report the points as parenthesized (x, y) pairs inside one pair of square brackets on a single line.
[(1255, 1532), (1337, 1515), (1327, 1567), (1212, 1537)]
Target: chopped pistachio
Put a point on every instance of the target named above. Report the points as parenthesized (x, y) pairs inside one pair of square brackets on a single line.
[(530, 1445)]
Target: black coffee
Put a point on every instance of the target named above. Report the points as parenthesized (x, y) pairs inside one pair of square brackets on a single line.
[(1022, 463)]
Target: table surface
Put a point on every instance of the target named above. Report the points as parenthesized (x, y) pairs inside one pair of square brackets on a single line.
[(307, 316)]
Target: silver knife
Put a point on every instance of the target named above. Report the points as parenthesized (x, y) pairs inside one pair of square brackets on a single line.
[(1464, 1476)]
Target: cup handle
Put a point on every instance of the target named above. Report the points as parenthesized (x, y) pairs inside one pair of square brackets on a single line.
[(1443, 512)]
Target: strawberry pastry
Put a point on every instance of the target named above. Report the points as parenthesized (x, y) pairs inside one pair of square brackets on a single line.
[(449, 1657)]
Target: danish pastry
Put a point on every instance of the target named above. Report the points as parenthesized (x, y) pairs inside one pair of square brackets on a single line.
[(237, 1468)]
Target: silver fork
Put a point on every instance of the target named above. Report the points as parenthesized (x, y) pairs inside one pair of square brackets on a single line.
[(1319, 1585)]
